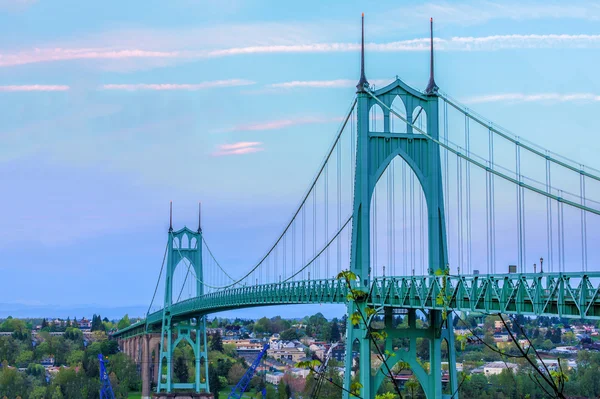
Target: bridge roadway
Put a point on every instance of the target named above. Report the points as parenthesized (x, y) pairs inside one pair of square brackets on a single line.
[(571, 295)]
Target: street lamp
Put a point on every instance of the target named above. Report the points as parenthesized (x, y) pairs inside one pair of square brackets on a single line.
[(541, 265)]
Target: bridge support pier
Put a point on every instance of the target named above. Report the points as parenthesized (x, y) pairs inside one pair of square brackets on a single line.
[(194, 333), (146, 359), (431, 378)]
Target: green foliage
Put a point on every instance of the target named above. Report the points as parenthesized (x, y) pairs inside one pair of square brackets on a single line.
[(355, 388), (283, 390), (125, 370), (347, 275), (216, 342), (230, 350), (213, 379), (12, 383), (74, 334), (124, 322), (97, 323), (235, 374), (309, 364), (335, 331), (75, 358), (289, 335)]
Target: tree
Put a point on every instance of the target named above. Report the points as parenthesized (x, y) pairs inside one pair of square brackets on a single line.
[(236, 372), (289, 335), (334, 336), (283, 390), (213, 380), (125, 371), (123, 323), (38, 393), (57, 394), (181, 369), (216, 342), (97, 324), (12, 383), (262, 325), (278, 324), (412, 387)]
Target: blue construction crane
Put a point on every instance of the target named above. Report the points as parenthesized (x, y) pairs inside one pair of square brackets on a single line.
[(106, 391), (240, 388)]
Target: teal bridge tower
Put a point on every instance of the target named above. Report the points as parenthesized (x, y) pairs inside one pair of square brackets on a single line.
[(434, 210), (183, 245)]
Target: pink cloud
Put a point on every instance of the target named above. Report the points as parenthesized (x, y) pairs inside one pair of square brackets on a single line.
[(483, 43), (63, 54), (279, 124), (13, 88), (242, 147), (178, 86)]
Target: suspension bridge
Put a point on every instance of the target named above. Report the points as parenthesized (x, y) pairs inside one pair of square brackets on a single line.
[(420, 198)]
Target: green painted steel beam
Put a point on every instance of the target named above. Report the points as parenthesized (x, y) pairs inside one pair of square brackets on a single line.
[(570, 295)]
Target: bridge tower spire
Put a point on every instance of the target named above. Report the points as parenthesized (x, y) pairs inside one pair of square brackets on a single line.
[(362, 82), (374, 153), (184, 250), (432, 88)]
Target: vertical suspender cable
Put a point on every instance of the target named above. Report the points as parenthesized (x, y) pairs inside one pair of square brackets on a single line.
[(285, 238), (519, 208), (412, 223), (393, 265), (303, 242), (459, 191), (549, 223), (339, 208), (375, 247), (488, 224), (561, 236), (389, 215), (294, 247), (314, 225), (446, 170), (352, 173), (326, 235), (468, 191), (583, 221), (404, 221), (492, 206), (353, 156), (422, 232)]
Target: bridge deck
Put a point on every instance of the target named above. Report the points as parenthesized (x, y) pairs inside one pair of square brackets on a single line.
[(572, 295)]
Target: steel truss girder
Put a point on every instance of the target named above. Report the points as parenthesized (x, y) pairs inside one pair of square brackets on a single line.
[(569, 295)]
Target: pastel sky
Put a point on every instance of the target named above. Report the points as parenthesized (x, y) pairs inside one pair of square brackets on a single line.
[(111, 109)]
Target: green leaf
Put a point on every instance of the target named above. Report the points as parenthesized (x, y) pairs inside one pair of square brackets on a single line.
[(370, 311), (347, 275), (355, 318), (355, 388)]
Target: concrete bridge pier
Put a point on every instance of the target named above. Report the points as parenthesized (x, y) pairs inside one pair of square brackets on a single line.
[(140, 349)]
